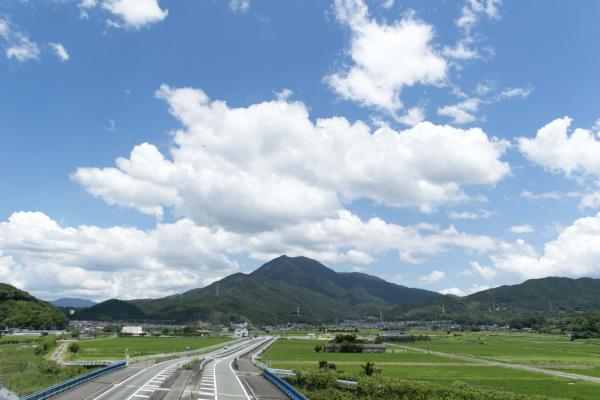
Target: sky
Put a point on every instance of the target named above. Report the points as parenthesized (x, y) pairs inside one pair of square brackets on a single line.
[(152, 146)]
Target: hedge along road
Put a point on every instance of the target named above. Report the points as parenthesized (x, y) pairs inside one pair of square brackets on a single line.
[(559, 374)]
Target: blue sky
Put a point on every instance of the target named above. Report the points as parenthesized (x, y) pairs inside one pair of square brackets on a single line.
[(452, 146)]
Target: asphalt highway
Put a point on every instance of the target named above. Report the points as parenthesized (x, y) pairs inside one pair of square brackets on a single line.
[(219, 381)]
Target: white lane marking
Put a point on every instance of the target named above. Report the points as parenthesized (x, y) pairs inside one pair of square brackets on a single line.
[(120, 383), (154, 382), (208, 383)]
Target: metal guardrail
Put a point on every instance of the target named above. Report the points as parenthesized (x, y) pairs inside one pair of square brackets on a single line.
[(89, 363), (347, 384), (257, 356), (282, 372), (78, 380), (289, 372), (285, 387)]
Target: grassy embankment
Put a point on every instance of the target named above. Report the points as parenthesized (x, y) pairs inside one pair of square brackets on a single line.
[(25, 367), (542, 351)]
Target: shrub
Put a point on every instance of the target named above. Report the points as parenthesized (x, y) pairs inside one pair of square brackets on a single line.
[(368, 368), (322, 385), (74, 347)]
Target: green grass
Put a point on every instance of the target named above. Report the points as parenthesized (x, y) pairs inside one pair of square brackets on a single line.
[(304, 350), (114, 348), (550, 351), (25, 372), (547, 351)]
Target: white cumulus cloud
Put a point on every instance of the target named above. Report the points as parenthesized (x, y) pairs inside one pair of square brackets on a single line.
[(133, 13), (60, 51), (239, 6), (479, 214), (433, 277), (574, 253), (472, 11), (39, 254), (453, 291), (525, 228), (110, 262), (463, 112), (268, 165), (17, 45), (385, 58), (558, 149)]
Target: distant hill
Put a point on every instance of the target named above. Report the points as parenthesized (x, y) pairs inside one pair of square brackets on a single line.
[(19, 309), (109, 310), (73, 302), (274, 293), (535, 297)]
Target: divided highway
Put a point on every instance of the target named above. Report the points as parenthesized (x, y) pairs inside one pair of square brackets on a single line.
[(219, 380)]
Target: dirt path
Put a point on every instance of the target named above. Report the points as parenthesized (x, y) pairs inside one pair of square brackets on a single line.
[(481, 361), (59, 354)]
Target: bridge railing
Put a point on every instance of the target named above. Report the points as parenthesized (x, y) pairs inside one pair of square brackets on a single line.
[(256, 358), (68, 384), (285, 387), (89, 363)]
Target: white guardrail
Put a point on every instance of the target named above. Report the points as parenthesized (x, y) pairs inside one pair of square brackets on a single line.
[(88, 363)]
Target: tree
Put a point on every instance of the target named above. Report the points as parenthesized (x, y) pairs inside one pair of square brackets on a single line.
[(369, 368), (74, 347), (323, 364), (318, 348)]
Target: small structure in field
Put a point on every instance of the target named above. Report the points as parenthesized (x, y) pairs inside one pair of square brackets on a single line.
[(240, 332), (392, 336), (373, 348), (359, 348), (132, 330)]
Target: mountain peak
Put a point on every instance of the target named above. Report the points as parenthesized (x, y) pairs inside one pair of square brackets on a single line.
[(284, 268), (74, 302)]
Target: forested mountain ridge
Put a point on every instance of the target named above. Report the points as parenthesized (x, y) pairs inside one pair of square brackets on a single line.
[(19, 309), (282, 290), (534, 298)]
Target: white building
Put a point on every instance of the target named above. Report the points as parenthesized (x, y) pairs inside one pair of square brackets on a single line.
[(132, 330), (240, 332)]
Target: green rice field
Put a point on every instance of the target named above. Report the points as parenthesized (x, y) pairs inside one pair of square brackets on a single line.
[(543, 351), (114, 348)]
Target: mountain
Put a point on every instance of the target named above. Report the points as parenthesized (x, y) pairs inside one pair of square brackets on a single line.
[(19, 309), (275, 292), (534, 297), (72, 302), (110, 310)]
